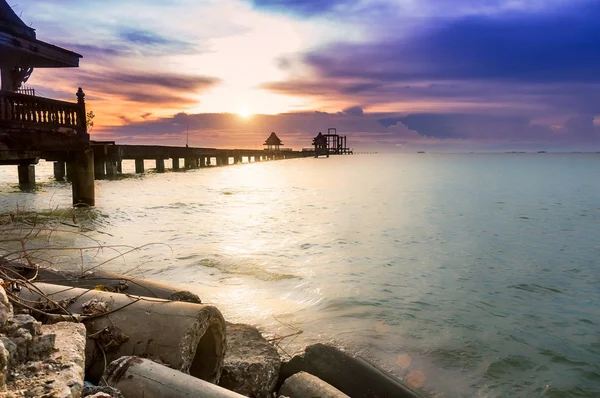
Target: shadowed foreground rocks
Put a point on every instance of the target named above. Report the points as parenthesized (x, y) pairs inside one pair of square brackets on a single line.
[(251, 365), (40, 360)]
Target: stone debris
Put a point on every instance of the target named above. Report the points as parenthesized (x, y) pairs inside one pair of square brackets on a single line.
[(40, 360), (101, 392), (305, 385), (251, 364)]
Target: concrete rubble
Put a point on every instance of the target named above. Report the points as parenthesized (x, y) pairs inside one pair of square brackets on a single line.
[(39, 360), (251, 364), (126, 333)]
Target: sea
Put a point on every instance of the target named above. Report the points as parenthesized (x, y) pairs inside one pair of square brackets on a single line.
[(465, 275)]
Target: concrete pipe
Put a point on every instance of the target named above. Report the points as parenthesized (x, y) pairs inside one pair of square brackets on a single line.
[(353, 376), (185, 336), (111, 281), (138, 377), (304, 385)]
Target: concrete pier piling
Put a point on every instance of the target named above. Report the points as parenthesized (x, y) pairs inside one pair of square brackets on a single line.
[(139, 166), (26, 174), (160, 165), (99, 168), (59, 171), (82, 175), (111, 168)]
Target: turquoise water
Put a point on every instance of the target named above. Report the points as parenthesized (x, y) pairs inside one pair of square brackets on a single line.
[(468, 275)]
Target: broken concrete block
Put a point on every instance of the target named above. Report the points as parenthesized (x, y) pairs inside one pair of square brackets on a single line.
[(41, 346), (69, 358), (251, 364), (94, 391), (304, 385)]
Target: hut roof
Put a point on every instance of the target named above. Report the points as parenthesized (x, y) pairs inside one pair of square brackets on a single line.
[(11, 23), (320, 139), (19, 46), (273, 140)]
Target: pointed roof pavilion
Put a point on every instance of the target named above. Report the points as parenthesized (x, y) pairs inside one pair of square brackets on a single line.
[(21, 51), (273, 142)]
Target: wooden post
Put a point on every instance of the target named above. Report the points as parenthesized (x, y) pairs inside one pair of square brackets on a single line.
[(202, 161), (139, 166), (160, 165), (26, 174), (59, 171), (82, 116), (99, 171), (119, 166), (175, 164), (111, 168), (82, 168)]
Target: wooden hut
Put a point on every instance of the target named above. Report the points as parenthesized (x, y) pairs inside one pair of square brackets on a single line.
[(320, 144), (273, 142)]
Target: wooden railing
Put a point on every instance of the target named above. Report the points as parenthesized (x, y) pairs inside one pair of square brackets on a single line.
[(41, 113)]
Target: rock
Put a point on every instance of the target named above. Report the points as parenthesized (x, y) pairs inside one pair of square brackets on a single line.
[(11, 348), (353, 376), (251, 364), (70, 357), (22, 321), (41, 346), (6, 310), (4, 361), (304, 385), (93, 391)]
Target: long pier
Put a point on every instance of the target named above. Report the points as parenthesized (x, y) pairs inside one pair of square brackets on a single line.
[(104, 159), (108, 157)]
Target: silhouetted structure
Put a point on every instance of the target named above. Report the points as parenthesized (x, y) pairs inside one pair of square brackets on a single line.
[(336, 144), (33, 127), (320, 144), (330, 143), (273, 143)]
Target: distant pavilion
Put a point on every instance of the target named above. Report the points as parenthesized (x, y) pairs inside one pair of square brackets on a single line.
[(320, 144), (273, 142)]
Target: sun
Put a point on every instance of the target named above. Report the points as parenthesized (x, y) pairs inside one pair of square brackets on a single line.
[(245, 113)]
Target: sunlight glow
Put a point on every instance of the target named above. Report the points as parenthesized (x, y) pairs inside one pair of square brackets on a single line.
[(245, 113)]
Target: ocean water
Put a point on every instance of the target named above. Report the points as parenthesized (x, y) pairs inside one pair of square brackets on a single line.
[(463, 274)]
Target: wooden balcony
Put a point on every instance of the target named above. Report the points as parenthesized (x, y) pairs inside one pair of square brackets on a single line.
[(29, 122)]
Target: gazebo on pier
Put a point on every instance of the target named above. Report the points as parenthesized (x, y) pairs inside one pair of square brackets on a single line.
[(33, 127), (320, 144), (273, 143)]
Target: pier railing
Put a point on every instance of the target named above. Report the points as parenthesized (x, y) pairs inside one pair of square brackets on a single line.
[(39, 113)]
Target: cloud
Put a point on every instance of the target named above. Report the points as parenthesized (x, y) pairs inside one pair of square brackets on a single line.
[(380, 131)]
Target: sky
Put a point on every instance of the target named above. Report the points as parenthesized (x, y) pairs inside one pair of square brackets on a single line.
[(392, 75)]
